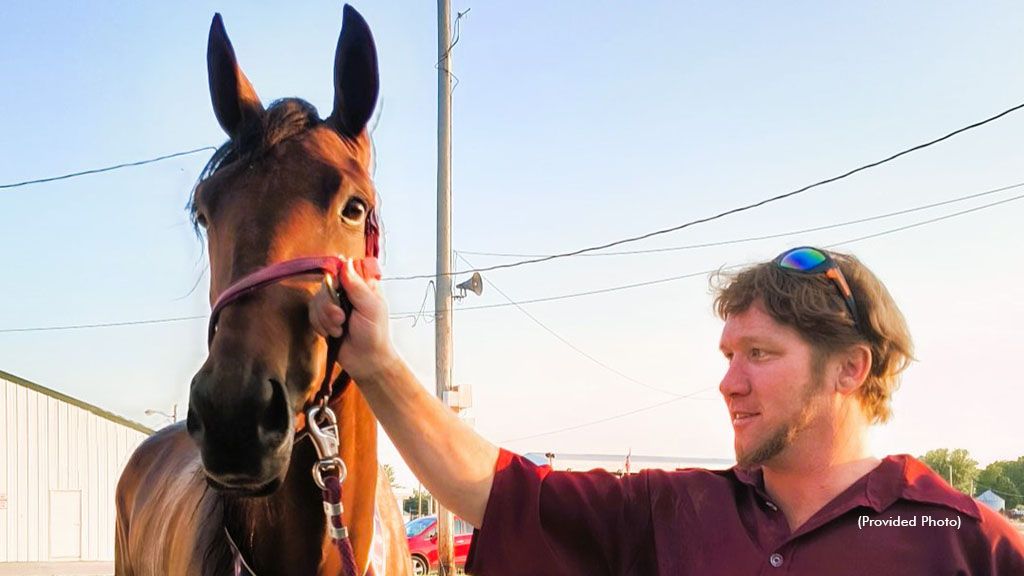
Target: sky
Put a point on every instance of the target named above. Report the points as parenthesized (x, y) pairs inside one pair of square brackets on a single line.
[(574, 124)]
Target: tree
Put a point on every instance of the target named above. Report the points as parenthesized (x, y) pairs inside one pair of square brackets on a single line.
[(997, 477), (389, 471), (1014, 470), (1008, 491), (990, 475), (957, 463), (420, 503)]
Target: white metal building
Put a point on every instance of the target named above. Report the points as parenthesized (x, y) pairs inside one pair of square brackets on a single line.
[(61, 462)]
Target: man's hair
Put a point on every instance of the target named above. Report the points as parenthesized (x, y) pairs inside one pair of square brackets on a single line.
[(813, 305)]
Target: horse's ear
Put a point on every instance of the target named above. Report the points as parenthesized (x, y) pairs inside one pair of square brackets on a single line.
[(235, 103), (356, 82)]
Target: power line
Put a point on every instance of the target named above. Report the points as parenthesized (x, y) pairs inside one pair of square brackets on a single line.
[(104, 325), (403, 315), (107, 169), (608, 419), (767, 237), (727, 212), (600, 290), (127, 323), (1001, 493), (579, 350), (931, 221), (711, 271)]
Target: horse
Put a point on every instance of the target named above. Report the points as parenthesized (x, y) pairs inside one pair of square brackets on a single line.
[(229, 491)]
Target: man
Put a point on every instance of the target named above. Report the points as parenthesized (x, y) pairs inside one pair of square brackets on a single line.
[(815, 346)]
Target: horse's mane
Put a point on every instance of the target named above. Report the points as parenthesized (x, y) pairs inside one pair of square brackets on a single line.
[(234, 516), (285, 119)]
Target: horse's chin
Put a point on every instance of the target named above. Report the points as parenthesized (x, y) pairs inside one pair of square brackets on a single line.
[(246, 490)]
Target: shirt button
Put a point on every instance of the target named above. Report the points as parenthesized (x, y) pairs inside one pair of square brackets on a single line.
[(775, 560)]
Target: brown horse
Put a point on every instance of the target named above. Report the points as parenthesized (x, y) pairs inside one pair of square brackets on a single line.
[(286, 185)]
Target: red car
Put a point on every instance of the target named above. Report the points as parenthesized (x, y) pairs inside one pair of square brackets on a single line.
[(422, 537)]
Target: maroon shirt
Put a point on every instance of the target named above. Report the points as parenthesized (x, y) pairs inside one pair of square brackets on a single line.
[(706, 522)]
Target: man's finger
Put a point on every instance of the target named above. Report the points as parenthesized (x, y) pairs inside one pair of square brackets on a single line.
[(359, 293)]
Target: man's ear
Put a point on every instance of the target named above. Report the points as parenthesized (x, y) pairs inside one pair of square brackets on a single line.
[(853, 366)]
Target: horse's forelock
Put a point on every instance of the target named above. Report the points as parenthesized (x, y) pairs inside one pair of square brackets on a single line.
[(285, 119)]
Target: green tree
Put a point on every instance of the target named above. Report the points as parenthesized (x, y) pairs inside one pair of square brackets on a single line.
[(1014, 470), (1006, 489), (956, 463), (389, 471), (418, 504), (989, 476), (1006, 478)]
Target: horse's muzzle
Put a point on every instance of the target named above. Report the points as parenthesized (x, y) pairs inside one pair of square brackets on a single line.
[(244, 432)]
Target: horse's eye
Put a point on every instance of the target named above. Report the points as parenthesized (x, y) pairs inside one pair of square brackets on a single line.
[(354, 211), (201, 219)]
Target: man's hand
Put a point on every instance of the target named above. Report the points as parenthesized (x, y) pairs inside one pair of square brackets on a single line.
[(454, 463), (366, 350)]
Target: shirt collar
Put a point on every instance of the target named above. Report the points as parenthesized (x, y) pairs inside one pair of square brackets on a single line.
[(897, 477)]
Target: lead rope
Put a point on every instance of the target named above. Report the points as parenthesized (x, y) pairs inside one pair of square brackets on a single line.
[(329, 472)]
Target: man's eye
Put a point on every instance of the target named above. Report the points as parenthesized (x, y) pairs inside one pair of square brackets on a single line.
[(354, 211), (756, 353)]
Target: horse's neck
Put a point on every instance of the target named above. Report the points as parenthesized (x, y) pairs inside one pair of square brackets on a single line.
[(285, 533)]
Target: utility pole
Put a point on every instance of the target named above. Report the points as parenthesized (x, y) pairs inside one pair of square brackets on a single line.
[(443, 282)]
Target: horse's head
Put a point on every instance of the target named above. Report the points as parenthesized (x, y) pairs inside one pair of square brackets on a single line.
[(286, 185)]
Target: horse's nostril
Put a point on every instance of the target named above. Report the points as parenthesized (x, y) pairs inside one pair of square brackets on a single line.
[(274, 425)]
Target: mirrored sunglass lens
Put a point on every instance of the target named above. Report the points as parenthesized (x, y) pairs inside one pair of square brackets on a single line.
[(805, 259)]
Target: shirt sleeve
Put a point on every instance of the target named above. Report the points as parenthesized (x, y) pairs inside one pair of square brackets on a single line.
[(539, 522), (1000, 550)]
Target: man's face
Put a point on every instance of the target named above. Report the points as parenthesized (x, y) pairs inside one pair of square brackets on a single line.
[(771, 386)]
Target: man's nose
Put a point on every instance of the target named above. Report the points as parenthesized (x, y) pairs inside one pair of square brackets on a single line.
[(735, 381)]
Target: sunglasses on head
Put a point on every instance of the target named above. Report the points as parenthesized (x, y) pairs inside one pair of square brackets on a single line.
[(809, 260)]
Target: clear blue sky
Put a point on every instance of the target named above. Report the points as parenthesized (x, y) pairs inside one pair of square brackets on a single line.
[(575, 123)]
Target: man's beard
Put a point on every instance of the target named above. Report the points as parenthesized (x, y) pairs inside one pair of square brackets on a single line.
[(784, 434)]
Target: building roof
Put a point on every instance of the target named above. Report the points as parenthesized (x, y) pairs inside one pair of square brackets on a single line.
[(76, 402), (991, 499)]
